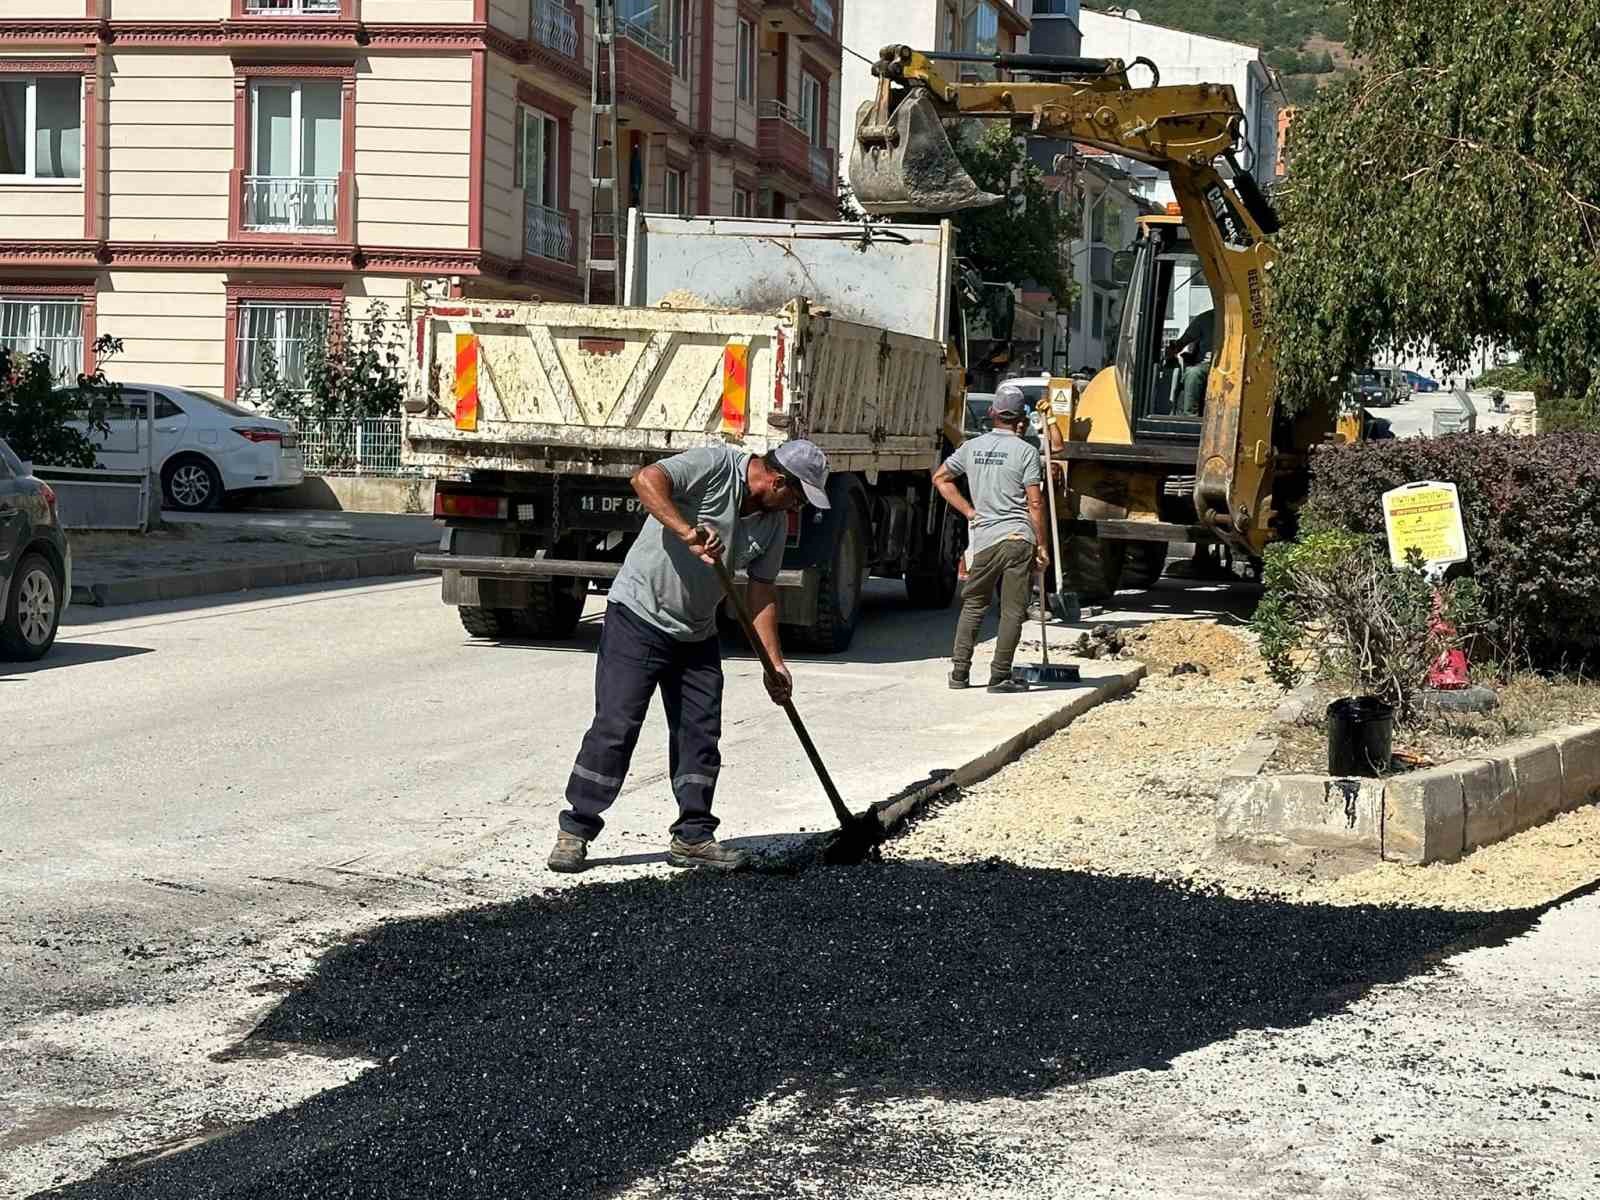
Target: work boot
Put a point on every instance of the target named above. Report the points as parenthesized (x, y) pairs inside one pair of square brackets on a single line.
[(1005, 686), (569, 853), (959, 680), (709, 853)]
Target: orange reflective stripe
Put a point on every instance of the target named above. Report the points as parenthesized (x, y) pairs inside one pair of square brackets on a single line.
[(466, 387), (735, 387)]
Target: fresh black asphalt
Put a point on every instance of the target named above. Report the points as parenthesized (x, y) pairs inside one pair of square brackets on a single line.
[(569, 1044)]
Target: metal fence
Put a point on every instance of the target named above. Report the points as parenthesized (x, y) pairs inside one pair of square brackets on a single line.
[(53, 326), (292, 7), (778, 110), (546, 233), (365, 446), (290, 202), (552, 24)]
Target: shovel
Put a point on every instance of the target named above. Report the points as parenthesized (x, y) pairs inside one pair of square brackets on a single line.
[(857, 834)]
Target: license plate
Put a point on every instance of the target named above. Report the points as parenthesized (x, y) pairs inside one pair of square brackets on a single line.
[(583, 508)]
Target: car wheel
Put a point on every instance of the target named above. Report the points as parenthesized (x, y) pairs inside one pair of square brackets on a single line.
[(192, 485), (33, 610)]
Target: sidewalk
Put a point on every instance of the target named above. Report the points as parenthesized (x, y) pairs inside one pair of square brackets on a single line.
[(210, 553)]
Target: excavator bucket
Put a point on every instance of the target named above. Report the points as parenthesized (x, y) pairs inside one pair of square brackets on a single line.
[(908, 165)]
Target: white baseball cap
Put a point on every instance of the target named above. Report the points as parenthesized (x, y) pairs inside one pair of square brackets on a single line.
[(805, 462)]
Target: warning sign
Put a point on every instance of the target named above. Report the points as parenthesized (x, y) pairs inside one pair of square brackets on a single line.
[(1425, 516)]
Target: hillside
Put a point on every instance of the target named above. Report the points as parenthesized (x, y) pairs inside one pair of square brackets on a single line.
[(1274, 25)]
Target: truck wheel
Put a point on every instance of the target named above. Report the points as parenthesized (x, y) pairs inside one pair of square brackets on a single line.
[(935, 586), (554, 610), (839, 590), (1093, 567), (1143, 564), (487, 622)]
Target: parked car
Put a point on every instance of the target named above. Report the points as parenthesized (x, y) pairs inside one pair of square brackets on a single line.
[(976, 420), (206, 447), (35, 562), (1420, 382), (1372, 387)]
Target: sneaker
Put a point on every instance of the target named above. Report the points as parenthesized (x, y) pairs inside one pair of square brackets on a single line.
[(709, 853), (569, 853), (1004, 687), (958, 680)]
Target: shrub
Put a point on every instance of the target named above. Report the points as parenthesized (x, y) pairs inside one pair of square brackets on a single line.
[(35, 411), (1558, 414), (1512, 378), (1337, 608), (1531, 508)]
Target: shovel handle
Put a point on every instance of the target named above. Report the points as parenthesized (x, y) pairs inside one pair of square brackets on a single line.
[(747, 623)]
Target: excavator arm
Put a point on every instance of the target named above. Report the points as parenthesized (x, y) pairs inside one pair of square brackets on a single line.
[(902, 161)]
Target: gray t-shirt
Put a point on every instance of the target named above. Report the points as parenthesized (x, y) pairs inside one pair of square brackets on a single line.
[(999, 466), (662, 581)]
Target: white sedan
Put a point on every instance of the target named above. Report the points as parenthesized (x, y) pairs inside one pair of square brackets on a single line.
[(205, 447)]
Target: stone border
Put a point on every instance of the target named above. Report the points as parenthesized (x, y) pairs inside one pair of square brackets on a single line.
[(247, 577), (1433, 815)]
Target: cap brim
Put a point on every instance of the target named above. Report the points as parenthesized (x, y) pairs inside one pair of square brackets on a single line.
[(815, 495)]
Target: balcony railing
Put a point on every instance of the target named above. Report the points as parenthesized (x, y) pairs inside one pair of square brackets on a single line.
[(822, 15), (822, 166), (642, 35), (552, 24), (291, 203), (546, 233), (292, 8), (778, 110)]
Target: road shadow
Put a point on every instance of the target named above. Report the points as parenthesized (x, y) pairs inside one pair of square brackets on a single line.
[(70, 654), (569, 1044)]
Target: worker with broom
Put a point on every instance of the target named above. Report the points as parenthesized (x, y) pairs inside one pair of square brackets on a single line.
[(1005, 534), (661, 632)]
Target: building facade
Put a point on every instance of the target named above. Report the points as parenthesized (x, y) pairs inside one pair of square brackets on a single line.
[(212, 181)]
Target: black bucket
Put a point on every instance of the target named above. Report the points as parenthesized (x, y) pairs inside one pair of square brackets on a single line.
[(1360, 736)]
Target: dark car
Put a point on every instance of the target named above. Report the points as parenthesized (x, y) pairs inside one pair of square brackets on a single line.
[(1372, 388), (1420, 382), (35, 562)]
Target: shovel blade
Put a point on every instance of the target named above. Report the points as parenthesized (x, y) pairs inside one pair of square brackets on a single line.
[(910, 166)]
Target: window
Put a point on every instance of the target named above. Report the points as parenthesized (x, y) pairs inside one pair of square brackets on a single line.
[(53, 327), (744, 202), (41, 128), (980, 28), (811, 109), (138, 401), (296, 149), (747, 61), (273, 341), (678, 36), (537, 168), (675, 191), (1098, 328), (648, 23)]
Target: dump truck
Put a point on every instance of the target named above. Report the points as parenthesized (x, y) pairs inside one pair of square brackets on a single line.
[(534, 416), (1144, 465)]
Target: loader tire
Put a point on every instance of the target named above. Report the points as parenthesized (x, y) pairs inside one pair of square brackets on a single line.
[(839, 591), (487, 622), (1143, 564), (554, 611), (1093, 567)]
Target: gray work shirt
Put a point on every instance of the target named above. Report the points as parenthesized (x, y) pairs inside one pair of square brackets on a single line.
[(999, 467), (662, 581)]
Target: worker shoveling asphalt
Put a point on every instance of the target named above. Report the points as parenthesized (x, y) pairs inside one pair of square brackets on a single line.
[(660, 631)]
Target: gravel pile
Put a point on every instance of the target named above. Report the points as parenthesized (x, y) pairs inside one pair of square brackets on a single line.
[(568, 1045)]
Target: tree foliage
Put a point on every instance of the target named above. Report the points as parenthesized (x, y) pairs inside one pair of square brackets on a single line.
[(353, 371), (35, 410), (1446, 194)]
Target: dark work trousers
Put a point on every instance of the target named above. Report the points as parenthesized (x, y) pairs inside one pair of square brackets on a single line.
[(1009, 563), (636, 658)]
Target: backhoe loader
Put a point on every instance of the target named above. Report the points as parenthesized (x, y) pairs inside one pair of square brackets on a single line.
[(1153, 453)]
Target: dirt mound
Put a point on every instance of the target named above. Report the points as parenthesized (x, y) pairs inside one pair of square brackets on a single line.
[(1199, 644)]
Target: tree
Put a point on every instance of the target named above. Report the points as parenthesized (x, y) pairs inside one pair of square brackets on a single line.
[(1447, 193), (34, 411), (353, 370)]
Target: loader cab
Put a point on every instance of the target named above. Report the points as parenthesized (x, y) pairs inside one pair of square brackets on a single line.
[(1167, 294)]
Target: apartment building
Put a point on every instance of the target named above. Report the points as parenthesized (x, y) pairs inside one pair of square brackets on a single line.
[(211, 180)]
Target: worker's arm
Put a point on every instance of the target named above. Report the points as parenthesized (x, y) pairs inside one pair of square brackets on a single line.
[(653, 486), (946, 484), (764, 615), (1040, 530)]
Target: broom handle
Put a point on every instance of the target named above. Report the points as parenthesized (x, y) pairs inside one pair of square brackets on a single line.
[(806, 744)]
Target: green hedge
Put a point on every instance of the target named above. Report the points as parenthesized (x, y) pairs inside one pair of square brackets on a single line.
[(1531, 506)]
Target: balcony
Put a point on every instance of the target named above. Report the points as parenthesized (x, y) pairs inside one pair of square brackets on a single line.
[(802, 18), (822, 16), (547, 233), (644, 78), (644, 36), (553, 25), (290, 204), (822, 169), (291, 8), (782, 144)]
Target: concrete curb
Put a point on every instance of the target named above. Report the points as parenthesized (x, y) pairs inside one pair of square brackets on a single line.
[(895, 813), (1433, 815), (248, 577)]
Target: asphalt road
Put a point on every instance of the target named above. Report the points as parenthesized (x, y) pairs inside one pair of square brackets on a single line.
[(1414, 417)]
